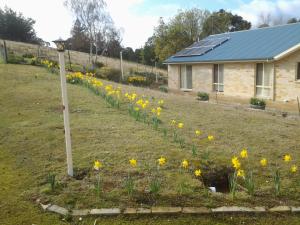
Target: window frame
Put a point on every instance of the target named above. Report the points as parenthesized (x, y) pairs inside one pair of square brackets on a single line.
[(216, 85), (263, 86), (186, 77), (298, 71)]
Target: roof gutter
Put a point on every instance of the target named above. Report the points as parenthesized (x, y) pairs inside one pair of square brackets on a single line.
[(228, 61), (287, 52)]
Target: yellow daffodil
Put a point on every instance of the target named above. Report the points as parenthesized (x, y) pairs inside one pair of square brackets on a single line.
[(158, 109), (173, 122), (210, 137), (161, 102), (235, 163), (136, 109), (97, 165), (133, 162), (241, 173), (263, 162), (244, 153), (197, 132), (294, 169), (161, 161), (153, 111), (180, 125), (185, 164), (287, 158), (197, 173)]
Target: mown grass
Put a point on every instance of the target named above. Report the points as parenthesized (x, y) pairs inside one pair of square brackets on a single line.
[(32, 145)]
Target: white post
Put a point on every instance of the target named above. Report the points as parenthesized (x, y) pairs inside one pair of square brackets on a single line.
[(66, 112), (121, 57), (156, 78)]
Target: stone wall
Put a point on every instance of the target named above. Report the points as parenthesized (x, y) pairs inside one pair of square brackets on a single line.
[(20, 48), (286, 86)]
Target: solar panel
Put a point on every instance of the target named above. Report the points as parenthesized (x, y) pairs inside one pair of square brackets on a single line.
[(202, 47)]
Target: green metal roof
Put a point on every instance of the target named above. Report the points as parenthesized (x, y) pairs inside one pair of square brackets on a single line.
[(257, 44)]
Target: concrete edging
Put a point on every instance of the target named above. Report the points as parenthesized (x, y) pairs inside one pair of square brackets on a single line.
[(156, 210)]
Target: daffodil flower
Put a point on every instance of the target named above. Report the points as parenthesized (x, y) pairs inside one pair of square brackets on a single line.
[(197, 173), (244, 153)]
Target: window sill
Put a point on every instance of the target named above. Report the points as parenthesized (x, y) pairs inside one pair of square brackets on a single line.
[(186, 89), (297, 81)]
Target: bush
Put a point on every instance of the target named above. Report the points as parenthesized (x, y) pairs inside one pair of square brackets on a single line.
[(109, 74), (99, 64), (138, 81), (164, 88), (258, 102), (203, 96), (28, 55)]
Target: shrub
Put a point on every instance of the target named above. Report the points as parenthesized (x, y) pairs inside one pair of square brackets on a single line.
[(138, 80), (28, 55), (99, 64), (258, 102), (163, 88), (203, 96), (109, 74)]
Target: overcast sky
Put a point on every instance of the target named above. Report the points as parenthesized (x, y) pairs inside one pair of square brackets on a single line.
[(137, 18)]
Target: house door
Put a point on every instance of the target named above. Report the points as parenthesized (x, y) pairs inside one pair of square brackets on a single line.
[(264, 77)]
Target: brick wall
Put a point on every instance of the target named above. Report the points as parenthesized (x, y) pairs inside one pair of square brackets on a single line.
[(286, 86)]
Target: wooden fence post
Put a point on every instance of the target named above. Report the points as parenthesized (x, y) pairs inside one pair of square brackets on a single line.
[(5, 52)]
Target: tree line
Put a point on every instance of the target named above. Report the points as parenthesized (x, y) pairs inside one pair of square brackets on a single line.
[(94, 31)]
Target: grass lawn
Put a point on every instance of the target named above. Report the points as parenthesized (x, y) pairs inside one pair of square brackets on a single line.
[(32, 146)]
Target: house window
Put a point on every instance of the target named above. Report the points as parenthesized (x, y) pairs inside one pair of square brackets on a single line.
[(298, 71), (264, 72), (218, 80), (186, 77)]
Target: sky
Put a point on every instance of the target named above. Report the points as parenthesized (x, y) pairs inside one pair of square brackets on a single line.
[(137, 18)]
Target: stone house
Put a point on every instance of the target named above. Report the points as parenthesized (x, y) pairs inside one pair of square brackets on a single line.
[(262, 63)]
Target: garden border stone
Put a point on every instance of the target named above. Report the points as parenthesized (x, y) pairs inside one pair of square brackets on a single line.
[(196, 210), (58, 209), (166, 210), (237, 209), (281, 208), (159, 210), (105, 211)]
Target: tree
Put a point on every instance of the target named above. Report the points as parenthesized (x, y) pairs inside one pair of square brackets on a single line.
[(293, 20), (222, 21), (92, 16), (147, 54), (79, 39), (14, 26), (182, 30)]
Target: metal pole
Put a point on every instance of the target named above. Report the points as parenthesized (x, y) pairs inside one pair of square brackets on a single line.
[(121, 57), (66, 112)]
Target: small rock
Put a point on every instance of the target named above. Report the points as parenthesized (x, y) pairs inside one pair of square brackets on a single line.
[(281, 208), (58, 209), (112, 211), (129, 211), (82, 212), (143, 211), (195, 210), (45, 207), (166, 210)]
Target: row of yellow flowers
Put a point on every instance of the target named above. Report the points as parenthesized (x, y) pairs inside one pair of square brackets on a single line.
[(142, 107)]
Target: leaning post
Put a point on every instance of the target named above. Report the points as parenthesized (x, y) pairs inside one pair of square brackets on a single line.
[(60, 44)]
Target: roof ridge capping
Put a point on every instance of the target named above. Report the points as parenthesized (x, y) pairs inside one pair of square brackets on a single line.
[(257, 28)]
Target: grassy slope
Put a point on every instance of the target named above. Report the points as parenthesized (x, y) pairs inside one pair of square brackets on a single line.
[(31, 143)]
